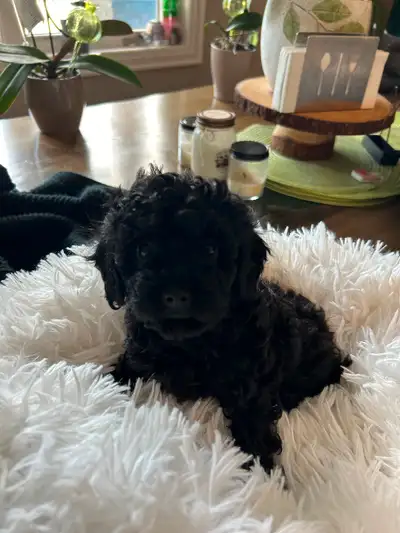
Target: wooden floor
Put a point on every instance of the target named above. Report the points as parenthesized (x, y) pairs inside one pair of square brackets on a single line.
[(118, 138)]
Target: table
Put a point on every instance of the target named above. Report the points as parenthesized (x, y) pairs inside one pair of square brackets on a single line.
[(118, 138)]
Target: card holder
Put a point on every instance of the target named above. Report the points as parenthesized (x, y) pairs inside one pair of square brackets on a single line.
[(289, 75)]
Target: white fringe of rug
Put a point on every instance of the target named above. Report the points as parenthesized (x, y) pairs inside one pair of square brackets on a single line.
[(77, 455)]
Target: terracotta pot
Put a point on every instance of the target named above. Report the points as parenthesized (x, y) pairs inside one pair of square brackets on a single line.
[(56, 105), (227, 70)]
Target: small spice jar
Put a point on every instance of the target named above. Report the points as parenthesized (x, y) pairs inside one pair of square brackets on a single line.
[(248, 167), (212, 140), (185, 137)]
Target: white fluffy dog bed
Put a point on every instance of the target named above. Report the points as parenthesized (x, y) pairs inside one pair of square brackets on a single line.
[(77, 455)]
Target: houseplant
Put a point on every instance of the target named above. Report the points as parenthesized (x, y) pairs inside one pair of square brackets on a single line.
[(232, 51), (54, 89), (283, 19), (390, 42)]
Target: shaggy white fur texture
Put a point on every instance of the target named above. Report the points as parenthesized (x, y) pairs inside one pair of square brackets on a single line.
[(77, 455)]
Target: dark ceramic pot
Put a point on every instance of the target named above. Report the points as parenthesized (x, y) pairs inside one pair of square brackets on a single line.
[(56, 105)]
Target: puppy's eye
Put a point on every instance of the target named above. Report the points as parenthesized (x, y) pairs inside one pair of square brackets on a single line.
[(211, 250)]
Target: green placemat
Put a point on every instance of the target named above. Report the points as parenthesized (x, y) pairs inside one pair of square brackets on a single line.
[(329, 182)]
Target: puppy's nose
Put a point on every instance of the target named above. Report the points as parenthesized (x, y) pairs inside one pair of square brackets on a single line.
[(178, 301)]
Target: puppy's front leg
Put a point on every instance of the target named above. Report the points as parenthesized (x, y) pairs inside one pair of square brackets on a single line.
[(254, 430), (123, 372)]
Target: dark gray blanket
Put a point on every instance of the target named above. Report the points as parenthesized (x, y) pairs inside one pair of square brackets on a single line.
[(65, 210)]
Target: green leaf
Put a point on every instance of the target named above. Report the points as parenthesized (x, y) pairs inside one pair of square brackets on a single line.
[(106, 66), (246, 21), (12, 79), (21, 54), (291, 24), (352, 27), (115, 27), (331, 11), (253, 38)]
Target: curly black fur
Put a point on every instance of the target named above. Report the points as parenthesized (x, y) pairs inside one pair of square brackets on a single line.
[(183, 257)]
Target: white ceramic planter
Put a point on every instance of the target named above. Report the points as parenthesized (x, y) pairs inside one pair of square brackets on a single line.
[(283, 19), (227, 70), (56, 105)]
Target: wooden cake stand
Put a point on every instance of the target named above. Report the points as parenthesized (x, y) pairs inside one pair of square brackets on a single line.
[(310, 136)]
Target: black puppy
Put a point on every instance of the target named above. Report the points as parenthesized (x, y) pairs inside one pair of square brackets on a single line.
[(181, 254)]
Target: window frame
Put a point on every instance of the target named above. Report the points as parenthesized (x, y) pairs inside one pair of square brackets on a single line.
[(189, 53)]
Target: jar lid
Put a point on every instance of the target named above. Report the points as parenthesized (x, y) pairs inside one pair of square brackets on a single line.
[(249, 151), (216, 118), (188, 123)]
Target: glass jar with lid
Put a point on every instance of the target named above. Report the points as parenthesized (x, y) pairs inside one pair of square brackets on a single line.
[(248, 166), (185, 138), (212, 140)]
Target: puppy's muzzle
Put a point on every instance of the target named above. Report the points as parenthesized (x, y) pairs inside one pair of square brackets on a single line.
[(177, 304)]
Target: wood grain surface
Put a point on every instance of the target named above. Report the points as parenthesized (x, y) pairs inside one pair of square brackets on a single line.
[(118, 138), (254, 96)]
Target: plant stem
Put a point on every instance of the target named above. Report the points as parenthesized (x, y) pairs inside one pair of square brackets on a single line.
[(220, 27), (66, 49), (311, 14), (58, 28), (51, 72), (75, 54), (49, 28), (33, 39)]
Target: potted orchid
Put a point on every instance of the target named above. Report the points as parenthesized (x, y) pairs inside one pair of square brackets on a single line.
[(53, 85), (232, 50)]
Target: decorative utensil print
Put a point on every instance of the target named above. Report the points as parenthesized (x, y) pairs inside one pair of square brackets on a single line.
[(352, 68), (339, 67), (325, 62)]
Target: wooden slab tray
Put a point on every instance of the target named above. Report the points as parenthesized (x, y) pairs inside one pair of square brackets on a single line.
[(310, 136)]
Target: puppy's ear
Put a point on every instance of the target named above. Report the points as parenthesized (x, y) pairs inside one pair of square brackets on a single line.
[(114, 286), (253, 254)]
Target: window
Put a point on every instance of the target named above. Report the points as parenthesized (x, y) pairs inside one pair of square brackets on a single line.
[(137, 13)]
